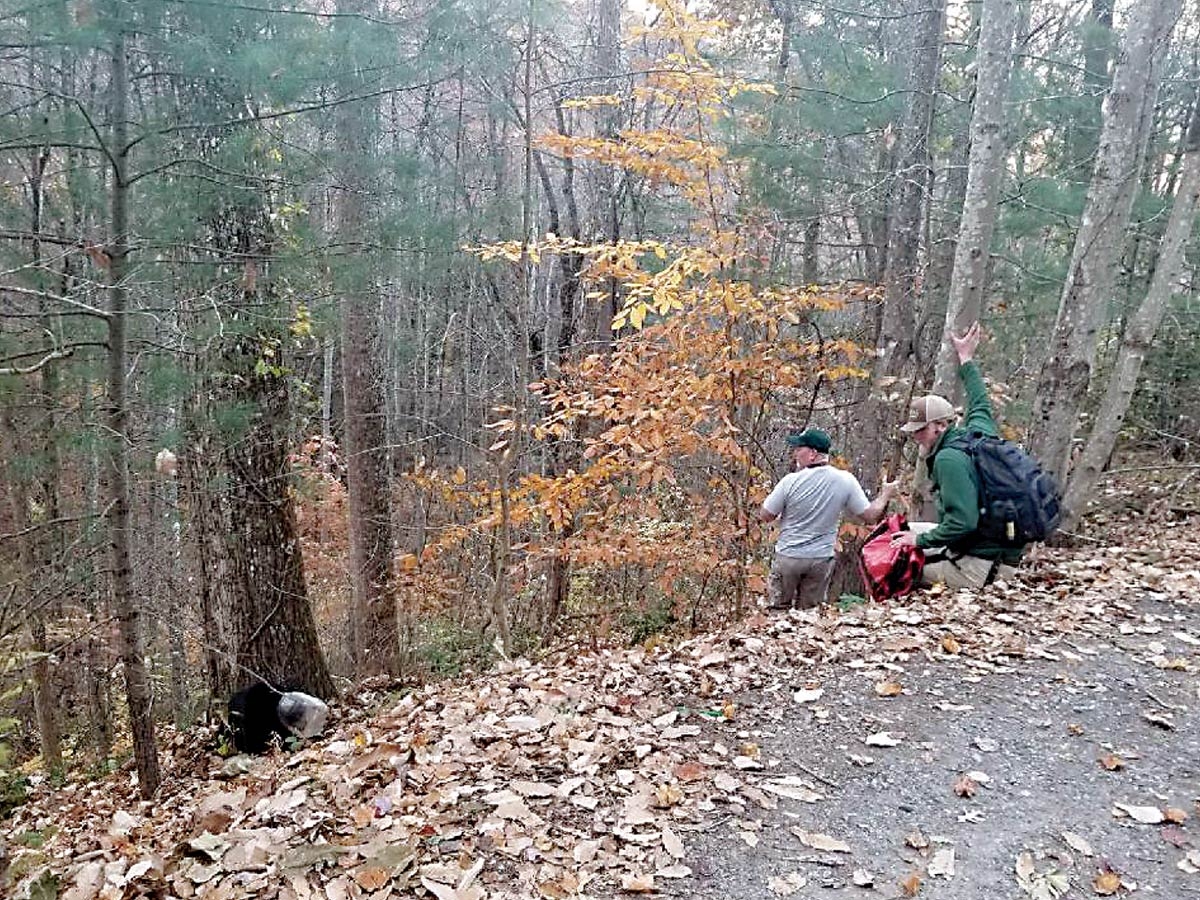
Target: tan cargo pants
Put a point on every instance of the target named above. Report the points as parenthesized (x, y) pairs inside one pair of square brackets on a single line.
[(959, 572)]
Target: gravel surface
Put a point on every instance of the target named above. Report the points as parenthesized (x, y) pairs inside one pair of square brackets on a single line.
[(1037, 730)]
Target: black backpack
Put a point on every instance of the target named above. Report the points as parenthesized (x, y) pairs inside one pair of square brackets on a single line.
[(1018, 502)]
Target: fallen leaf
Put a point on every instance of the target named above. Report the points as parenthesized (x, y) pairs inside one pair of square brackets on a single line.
[(862, 878), (372, 878), (1106, 883), (1025, 867), (916, 839), (439, 890), (667, 795), (673, 871), (723, 781), (691, 771), (942, 863), (1175, 836), (637, 884), (1175, 815), (786, 885), (1078, 844), (1112, 762), (965, 786), (889, 689), (950, 645), (821, 841), (671, 843), (1147, 815), (911, 885), (793, 788)]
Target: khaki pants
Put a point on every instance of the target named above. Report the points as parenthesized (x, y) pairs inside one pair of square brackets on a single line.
[(959, 572), (798, 583)]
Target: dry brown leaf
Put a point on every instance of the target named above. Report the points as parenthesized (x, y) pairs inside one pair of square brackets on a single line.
[(1175, 836), (666, 795), (372, 878), (1106, 883), (1175, 815), (965, 786), (888, 689), (916, 839), (950, 645), (691, 771), (1112, 762), (1075, 729), (637, 884), (911, 885)]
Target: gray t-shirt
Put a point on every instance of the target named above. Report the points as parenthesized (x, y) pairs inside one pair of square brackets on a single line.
[(810, 503)]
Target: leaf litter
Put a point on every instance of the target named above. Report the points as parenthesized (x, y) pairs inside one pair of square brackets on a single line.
[(587, 773)]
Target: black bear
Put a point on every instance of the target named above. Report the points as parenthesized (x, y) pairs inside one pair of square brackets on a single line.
[(259, 712)]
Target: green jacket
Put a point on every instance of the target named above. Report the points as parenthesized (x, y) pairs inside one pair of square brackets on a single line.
[(954, 479)]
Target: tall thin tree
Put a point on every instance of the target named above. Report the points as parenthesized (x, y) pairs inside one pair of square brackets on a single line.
[(1067, 370)]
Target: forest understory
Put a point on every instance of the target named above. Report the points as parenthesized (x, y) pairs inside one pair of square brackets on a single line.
[(1035, 739)]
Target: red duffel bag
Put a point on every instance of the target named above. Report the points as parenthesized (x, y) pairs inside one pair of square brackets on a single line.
[(887, 570)]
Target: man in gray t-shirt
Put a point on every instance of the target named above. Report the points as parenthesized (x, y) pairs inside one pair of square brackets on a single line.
[(809, 503)]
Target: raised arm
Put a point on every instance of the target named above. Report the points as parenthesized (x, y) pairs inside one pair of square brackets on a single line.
[(979, 416)]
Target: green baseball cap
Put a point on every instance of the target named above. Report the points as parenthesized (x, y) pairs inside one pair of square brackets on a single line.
[(814, 438)]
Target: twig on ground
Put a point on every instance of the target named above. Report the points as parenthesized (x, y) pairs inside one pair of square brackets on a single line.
[(807, 771), (1163, 703)]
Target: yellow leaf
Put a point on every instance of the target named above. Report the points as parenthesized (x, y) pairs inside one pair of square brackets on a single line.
[(1107, 883), (460, 476)]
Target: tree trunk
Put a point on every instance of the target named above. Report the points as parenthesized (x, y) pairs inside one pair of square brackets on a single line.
[(1140, 332), (894, 337), (1097, 48), (1067, 370), (374, 633), (125, 605), (984, 170)]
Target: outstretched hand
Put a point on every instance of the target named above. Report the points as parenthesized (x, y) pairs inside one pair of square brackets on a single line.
[(966, 343)]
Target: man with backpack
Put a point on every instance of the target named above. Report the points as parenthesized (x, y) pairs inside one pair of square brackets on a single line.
[(809, 502), (992, 498)]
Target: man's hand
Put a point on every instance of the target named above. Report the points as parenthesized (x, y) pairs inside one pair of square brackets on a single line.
[(965, 343), (904, 539)]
